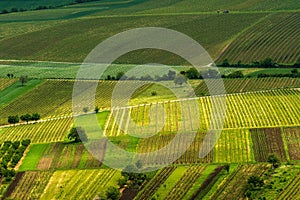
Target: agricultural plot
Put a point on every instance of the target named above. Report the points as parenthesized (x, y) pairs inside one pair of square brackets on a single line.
[(149, 147), (233, 186), (69, 46), (49, 131), (248, 85), (30, 186), (274, 37), (64, 156), (267, 141), (155, 183), (184, 184), (4, 83), (292, 189), (80, 184), (234, 146), (249, 110), (292, 136)]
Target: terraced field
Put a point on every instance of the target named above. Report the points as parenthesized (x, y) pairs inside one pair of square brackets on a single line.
[(6, 82), (80, 184), (275, 37), (49, 131), (249, 110)]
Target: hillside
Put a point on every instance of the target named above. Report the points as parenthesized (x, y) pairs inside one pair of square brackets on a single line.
[(165, 136)]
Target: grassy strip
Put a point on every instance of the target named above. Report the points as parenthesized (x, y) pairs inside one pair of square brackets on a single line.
[(33, 157), (163, 191)]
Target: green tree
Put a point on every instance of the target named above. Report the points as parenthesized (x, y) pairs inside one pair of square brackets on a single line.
[(112, 193), (77, 134), (13, 119), (227, 167), (274, 160), (23, 80), (26, 118), (35, 117), (236, 74), (96, 109), (225, 63), (192, 73)]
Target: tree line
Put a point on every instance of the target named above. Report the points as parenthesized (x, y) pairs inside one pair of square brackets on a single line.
[(42, 7), (13, 119), (266, 63)]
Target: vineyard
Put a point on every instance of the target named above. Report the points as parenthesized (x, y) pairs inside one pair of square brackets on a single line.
[(49, 131), (292, 136), (4, 83), (233, 185), (274, 37), (234, 147), (248, 85), (248, 110), (28, 185), (79, 184), (266, 142)]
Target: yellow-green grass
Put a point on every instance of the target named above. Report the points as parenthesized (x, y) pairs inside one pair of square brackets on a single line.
[(275, 37), (80, 184), (246, 110), (73, 40), (33, 157), (234, 147), (178, 173), (49, 131)]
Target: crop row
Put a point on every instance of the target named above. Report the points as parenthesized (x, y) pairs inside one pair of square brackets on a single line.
[(80, 184), (155, 183), (233, 147), (247, 85), (292, 136), (49, 131), (274, 37), (68, 156), (233, 185), (292, 190), (31, 185), (248, 110), (266, 142), (185, 182), (4, 83)]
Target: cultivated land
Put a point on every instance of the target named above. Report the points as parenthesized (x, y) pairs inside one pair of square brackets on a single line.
[(262, 116)]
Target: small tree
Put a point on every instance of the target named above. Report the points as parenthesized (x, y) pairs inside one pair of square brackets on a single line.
[(96, 109), (77, 134), (225, 63), (179, 79), (23, 80), (274, 160), (8, 75), (26, 118), (85, 109), (35, 117), (13, 119), (227, 167), (112, 193)]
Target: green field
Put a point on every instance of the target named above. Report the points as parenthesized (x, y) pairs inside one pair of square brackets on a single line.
[(275, 37)]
